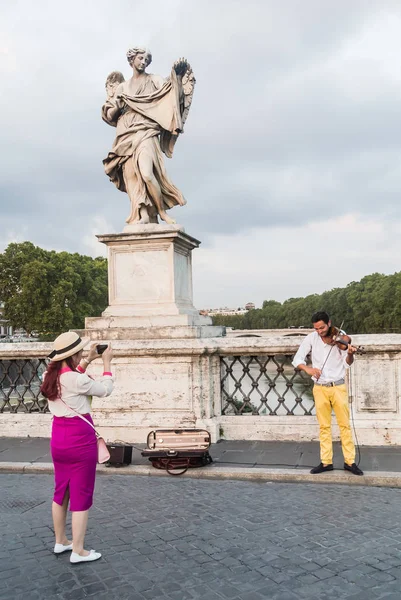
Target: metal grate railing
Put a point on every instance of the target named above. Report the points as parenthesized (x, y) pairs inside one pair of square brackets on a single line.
[(257, 385), (264, 385), (20, 381)]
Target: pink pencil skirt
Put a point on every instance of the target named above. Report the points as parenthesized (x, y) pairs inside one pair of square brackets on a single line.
[(73, 448)]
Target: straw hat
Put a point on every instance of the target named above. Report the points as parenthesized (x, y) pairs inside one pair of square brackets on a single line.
[(66, 345)]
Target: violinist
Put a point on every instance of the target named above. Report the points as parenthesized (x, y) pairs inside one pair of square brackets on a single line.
[(331, 354)]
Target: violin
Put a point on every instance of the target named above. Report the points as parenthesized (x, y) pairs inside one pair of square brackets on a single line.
[(337, 337)]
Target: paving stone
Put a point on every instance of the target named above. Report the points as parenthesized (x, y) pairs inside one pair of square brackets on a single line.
[(75, 594), (310, 566), (124, 592), (252, 596), (366, 595), (323, 573), (383, 576), (227, 591), (283, 595), (395, 572)]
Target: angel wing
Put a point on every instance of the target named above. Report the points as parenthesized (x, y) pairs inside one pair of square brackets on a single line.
[(186, 79), (112, 82), (188, 86), (185, 73)]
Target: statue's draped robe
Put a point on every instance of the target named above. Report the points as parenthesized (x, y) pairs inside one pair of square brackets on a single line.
[(149, 122)]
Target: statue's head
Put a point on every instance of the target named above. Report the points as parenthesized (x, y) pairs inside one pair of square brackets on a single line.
[(137, 50)]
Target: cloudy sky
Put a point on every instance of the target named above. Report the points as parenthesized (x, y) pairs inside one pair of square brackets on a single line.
[(291, 158)]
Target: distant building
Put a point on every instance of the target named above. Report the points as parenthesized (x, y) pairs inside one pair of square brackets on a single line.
[(226, 311), (5, 327)]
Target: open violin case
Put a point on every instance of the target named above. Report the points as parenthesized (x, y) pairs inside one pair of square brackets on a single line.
[(177, 450)]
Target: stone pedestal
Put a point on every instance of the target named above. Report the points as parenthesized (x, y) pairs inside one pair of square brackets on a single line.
[(150, 287)]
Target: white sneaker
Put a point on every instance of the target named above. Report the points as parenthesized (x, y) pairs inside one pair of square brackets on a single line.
[(59, 548), (77, 558)]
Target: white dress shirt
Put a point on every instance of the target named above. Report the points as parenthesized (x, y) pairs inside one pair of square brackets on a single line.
[(77, 390), (335, 366)]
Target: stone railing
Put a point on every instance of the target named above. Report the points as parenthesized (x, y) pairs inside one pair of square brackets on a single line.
[(238, 388)]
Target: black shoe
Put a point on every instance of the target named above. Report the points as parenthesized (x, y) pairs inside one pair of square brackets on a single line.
[(353, 469), (321, 469)]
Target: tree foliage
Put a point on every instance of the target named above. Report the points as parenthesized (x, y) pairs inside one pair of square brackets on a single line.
[(372, 305), (50, 292)]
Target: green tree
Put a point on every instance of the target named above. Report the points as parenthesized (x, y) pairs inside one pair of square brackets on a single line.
[(50, 291)]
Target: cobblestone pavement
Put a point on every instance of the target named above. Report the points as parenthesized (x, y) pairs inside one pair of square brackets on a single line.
[(181, 539)]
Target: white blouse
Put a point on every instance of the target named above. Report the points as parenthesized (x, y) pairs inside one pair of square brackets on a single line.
[(332, 357), (77, 390)]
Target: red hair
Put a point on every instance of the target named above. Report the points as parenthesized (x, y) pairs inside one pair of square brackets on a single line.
[(50, 387)]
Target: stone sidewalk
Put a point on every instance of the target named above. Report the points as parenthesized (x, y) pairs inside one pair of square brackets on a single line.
[(264, 461), (181, 539)]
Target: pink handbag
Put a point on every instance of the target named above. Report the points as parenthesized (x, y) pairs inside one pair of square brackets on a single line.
[(103, 455)]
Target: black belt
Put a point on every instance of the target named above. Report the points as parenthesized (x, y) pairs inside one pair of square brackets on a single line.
[(332, 383)]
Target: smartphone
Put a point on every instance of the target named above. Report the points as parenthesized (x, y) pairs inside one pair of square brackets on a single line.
[(100, 348)]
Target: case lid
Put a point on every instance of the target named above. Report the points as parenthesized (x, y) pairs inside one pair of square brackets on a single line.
[(178, 439)]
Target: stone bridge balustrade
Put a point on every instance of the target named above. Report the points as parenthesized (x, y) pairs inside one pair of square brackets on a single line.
[(236, 387)]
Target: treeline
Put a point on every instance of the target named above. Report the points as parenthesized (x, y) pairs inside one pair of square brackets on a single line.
[(49, 292), (372, 305)]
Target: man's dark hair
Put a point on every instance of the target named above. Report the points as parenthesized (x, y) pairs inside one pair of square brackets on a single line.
[(320, 316)]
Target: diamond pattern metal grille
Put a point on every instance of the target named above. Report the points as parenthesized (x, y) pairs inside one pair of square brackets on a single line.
[(19, 385), (264, 385)]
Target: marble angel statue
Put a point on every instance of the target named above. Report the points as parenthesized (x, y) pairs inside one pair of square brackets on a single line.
[(149, 113)]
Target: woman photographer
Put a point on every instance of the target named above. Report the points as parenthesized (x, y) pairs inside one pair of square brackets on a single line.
[(73, 441)]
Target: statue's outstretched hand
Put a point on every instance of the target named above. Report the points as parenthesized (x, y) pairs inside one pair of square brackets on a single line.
[(180, 67)]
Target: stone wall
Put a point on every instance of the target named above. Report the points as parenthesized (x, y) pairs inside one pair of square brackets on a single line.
[(177, 383)]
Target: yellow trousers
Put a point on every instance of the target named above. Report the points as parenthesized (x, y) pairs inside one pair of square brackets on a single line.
[(328, 399)]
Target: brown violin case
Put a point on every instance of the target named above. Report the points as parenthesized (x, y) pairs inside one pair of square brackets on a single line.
[(177, 450)]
